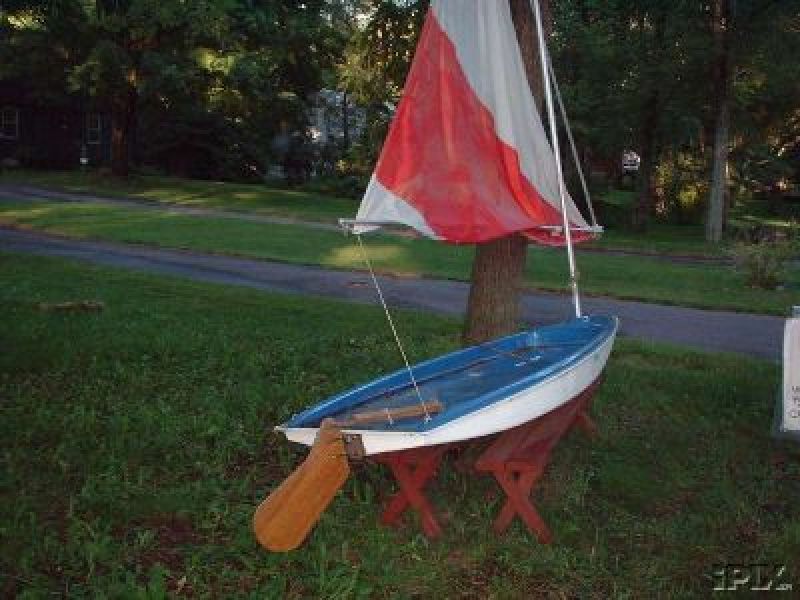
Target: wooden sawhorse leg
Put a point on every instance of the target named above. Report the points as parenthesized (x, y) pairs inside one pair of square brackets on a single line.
[(412, 469), (585, 423), (517, 479), (517, 459), (517, 486)]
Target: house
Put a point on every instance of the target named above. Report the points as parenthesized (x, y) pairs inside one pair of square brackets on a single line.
[(335, 118), (51, 132)]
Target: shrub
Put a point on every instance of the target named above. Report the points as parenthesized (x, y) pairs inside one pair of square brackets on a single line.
[(763, 263), (344, 186), (682, 182)]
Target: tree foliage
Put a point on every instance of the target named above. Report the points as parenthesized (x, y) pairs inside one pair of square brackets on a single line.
[(374, 65), (639, 75), (188, 84), (223, 88)]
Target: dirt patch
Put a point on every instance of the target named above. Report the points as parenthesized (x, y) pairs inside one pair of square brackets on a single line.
[(170, 533), (674, 505), (270, 467), (171, 529)]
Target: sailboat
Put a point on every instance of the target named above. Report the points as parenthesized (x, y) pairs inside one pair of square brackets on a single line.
[(467, 160)]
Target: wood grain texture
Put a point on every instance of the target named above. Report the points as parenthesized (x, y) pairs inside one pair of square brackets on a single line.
[(390, 414), (285, 518)]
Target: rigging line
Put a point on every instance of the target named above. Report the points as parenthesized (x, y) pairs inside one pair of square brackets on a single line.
[(391, 325), (571, 140)]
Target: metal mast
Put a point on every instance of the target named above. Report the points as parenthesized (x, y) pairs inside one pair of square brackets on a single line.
[(551, 117)]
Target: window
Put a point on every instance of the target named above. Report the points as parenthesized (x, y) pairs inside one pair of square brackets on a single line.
[(94, 126), (9, 123)]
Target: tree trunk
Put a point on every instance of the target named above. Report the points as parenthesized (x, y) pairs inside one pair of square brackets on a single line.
[(646, 193), (345, 123), (715, 220), (650, 137), (493, 308), (647, 169), (123, 119)]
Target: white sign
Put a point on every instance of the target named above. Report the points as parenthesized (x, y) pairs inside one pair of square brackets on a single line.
[(791, 376)]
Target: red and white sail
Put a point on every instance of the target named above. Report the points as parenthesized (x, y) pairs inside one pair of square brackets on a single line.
[(467, 158)]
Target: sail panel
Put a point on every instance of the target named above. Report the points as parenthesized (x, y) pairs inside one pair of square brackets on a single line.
[(380, 205), (467, 149), (495, 72)]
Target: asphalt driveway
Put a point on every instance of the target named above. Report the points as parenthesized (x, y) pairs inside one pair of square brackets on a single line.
[(719, 331)]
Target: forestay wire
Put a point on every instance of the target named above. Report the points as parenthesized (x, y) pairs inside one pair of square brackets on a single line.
[(391, 325)]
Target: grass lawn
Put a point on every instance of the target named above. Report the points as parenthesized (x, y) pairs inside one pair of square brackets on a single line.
[(689, 239), (260, 199), (681, 240), (633, 277), (136, 444), (615, 209), (755, 211), (248, 198)]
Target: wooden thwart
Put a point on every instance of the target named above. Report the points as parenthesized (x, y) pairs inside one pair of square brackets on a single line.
[(390, 414)]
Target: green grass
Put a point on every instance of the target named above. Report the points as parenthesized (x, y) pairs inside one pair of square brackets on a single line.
[(260, 199), (136, 443), (662, 238), (758, 211), (632, 277), (615, 207), (680, 240), (247, 198)]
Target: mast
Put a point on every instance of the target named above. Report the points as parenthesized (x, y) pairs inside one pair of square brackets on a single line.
[(551, 117)]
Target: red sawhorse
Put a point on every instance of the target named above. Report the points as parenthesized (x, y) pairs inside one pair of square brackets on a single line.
[(517, 458), (412, 470)]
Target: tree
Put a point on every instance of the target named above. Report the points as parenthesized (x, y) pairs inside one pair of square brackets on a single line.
[(276, 59), (493, 308), (720, 25), (375, 64), (662, 88), (130, 41), (200, 88), (34, 49), (639, 75), (633, 73), (753, 112)]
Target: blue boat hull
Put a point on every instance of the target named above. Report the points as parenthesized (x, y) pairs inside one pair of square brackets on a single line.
[(478, 390)]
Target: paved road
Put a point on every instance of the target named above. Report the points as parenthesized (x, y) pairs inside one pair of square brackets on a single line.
[(755, 335)]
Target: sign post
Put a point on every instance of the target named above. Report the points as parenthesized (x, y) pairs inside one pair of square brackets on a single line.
[(787, 422)]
